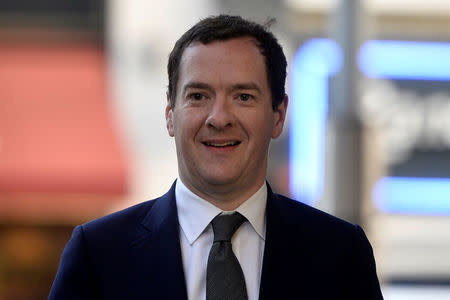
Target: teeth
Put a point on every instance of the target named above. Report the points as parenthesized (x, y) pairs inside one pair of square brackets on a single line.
[(222, 144)]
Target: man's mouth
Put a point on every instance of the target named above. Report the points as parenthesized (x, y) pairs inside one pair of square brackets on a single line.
[(222, 144)]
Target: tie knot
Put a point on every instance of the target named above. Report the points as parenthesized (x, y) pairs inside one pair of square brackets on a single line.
[(225, 225)]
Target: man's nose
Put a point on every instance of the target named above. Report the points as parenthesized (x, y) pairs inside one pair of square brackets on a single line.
[(220, 115)]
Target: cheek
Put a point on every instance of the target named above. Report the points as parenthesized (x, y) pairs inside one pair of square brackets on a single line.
[(262, 125), (186, 127), (264, 132)]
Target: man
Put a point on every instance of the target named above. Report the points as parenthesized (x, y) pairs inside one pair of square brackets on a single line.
[(225, 102)]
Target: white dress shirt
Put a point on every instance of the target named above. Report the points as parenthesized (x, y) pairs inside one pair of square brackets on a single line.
[(196, 238)]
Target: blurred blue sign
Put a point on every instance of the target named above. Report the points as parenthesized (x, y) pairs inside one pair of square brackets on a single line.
[(313, 64)]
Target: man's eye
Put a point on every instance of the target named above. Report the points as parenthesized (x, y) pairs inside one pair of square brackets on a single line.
[(196, 96), (245, 97)]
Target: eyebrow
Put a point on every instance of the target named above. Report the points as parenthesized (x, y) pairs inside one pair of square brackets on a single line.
[(246, 86), (197, 85), (234, 87)]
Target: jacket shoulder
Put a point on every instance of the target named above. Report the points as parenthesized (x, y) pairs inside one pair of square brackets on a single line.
[(128, 216), (301, 214)]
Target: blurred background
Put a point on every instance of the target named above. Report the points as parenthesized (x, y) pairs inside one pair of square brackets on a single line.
[(82, 128)]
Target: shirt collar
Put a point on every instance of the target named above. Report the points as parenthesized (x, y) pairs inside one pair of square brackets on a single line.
[(195, 213)]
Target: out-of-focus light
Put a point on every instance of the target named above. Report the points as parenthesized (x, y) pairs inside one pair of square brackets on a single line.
[(387, 7), (406, 60), (414, 61), (408, 195), (313, 63)]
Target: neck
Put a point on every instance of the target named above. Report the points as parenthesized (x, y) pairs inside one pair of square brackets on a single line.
[(226, 199)]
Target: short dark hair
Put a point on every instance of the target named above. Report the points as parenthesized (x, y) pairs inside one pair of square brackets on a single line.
[(225, 27)]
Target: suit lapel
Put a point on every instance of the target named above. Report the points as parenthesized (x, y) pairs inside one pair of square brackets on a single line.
[(158, 249), (279, 277), (271, 250)]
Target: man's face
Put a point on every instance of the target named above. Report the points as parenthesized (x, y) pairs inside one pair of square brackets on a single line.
[(223, 119)]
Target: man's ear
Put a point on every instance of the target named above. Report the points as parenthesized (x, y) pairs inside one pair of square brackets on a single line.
[(169, 116), (279, 117)]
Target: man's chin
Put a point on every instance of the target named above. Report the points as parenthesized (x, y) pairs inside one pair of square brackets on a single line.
[(222, 181)]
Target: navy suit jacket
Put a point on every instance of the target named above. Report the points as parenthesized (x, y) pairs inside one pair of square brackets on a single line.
[(136, 254)]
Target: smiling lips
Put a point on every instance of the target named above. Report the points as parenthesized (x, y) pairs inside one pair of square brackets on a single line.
[(221, 144)]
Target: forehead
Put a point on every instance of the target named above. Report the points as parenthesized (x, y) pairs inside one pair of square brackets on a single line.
[(237, 59)]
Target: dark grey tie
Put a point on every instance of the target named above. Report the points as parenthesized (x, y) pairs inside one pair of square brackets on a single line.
[(224, 276)]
